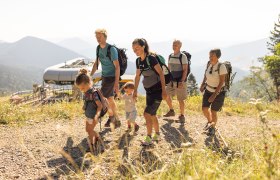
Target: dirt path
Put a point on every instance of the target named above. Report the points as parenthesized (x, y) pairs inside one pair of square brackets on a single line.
[(32, 151)]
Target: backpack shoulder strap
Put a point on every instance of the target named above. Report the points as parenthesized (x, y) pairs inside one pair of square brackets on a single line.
[(219, 66), (97, 55), (180, 58), (109, 51)]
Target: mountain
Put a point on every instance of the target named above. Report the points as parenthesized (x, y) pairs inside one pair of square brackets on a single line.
[(15, 79), (34, 52)]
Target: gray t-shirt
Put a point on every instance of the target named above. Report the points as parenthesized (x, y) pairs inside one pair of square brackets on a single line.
[(175, 65), (129, 102)]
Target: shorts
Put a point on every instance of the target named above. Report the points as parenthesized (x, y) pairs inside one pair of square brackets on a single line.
[(107, 86), (131, 116), (153, 100), (181, 93), (217, 104)]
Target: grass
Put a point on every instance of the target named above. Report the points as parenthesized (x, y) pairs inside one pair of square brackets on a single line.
[(258, 159)]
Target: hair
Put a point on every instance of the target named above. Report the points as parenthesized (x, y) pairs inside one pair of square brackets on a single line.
[(82, 77), (177, 41), (102, 31), (142, 42), (128, 85), (217, 52)]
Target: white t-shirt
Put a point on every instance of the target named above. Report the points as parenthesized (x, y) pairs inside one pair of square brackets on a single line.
[(214, 78), (130, 105)]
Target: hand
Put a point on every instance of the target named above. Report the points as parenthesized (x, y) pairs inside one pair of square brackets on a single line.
[(180, 85), (96, 118), (212, 97), (134, 95), (116, 88), (164, 95), (202, 87)]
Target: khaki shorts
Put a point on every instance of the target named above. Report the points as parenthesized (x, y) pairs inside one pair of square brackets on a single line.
[(172, 90)]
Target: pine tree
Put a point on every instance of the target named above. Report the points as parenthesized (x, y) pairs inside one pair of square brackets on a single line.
[(275, 36), (192, 85)]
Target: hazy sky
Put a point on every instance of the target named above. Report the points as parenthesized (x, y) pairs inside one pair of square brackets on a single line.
[(156, 20)]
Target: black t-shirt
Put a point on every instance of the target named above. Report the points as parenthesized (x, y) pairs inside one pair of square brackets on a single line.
[(142, 65)]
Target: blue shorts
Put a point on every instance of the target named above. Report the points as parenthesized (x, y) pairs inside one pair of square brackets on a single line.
[(131, 116)]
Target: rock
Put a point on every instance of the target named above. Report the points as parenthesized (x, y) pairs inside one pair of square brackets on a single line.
[(188, 144)]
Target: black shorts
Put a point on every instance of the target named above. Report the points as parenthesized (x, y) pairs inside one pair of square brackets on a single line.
[(107, 86), (153, 100), (217, 104)]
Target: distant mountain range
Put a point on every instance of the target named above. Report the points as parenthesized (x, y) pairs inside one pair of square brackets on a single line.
[(31, 54)]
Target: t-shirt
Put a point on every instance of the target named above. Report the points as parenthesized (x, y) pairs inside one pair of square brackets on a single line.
[(214, 78), (89, 102), (129, 102), (151, 78), (175, 66), (108, 67)]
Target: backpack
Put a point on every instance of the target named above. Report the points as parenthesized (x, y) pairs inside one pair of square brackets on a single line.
[(103, 100), (229, 76), (189, 56), (164, 67), (122, 57)]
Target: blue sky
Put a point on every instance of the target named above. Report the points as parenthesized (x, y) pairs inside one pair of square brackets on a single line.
[(156, 20)]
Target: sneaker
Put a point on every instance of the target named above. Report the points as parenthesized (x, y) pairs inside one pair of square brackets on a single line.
[(147, 141), (211, 131), (182, 118), (136, 128), (107, 124), (156, 137), (171, 112)]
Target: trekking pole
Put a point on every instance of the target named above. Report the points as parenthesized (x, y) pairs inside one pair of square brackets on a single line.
[(222, 138), (100, 122)]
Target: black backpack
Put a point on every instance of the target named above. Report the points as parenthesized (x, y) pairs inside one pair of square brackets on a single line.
[(122, 57), (189, 56)]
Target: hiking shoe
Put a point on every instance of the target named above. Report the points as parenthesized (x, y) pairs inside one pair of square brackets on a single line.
[(156, 137), (171, 112), (136, 128), (182, 118), (117, 123), (147, 141), (207, 126), (211, 131), (107, 124)]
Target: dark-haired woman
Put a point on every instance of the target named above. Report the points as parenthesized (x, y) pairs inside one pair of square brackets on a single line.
[(154, 84)]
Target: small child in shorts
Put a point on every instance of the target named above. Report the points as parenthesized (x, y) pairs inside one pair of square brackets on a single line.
[(130, 106), (92, 104)]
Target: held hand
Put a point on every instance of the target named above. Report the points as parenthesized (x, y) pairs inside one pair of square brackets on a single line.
[(96, 118), (212, 98), (134, 95)]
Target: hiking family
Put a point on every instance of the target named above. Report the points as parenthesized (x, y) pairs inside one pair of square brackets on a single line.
[(161, 81)]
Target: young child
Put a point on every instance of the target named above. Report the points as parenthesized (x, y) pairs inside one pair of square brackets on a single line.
[(130, 106), (92, 104)]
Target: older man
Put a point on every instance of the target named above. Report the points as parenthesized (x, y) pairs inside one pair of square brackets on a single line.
[(178, 65)]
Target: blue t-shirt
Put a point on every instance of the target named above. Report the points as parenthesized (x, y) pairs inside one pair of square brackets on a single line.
[(108, 67)]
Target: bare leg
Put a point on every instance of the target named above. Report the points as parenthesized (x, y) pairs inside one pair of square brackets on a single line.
[(149, 123), (90, 130), (169, 102), (182, 107), (112, 107), (155, 123), (214, 117), (207, 114)]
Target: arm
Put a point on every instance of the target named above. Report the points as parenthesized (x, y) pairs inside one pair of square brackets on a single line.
[(162, 80), (98, 111), (202, 86), (117, 75), (136, 83), (218, 89), (94, 67)]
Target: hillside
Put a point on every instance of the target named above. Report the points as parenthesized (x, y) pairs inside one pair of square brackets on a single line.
[(34, 52), (51, 142)]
